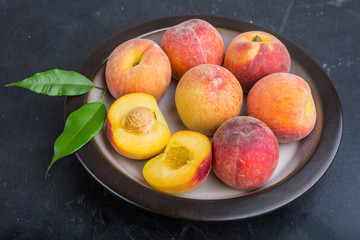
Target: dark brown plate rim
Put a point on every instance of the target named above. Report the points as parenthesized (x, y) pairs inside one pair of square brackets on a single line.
[(214, 210)]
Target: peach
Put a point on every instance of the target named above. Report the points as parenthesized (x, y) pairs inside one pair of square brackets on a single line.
[(284, 102), (245, 152), (136, 127), (138, 65), (206, 96), (192, 43), (251, 56), (184, 164)]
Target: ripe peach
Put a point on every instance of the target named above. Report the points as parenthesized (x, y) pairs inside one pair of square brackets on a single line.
[(206, 96), (251, 56), (184, 164), (245, 153), (136, 127), (138, 65), (284, 102), (192, 43)]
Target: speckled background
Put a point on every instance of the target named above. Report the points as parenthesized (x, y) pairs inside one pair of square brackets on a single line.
[(39, 35)]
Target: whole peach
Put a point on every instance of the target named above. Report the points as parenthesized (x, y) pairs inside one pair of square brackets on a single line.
[(251, 56), (245, 153), (192, 43), (138, 65), (284, 102), (206, 96)]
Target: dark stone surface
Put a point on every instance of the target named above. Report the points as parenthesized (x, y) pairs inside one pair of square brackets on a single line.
[(41, 35)]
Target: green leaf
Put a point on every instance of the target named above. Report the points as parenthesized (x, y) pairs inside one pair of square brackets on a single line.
[(56, 82), (80, 127)]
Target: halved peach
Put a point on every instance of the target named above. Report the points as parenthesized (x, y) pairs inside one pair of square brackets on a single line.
[(184, 164), (136, 127)]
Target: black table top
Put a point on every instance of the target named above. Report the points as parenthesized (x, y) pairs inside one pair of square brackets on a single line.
[(40, 35)]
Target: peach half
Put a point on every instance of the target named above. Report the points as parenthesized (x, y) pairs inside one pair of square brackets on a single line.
[(136, 127), (138, 65), (184, 164), (253, 55)]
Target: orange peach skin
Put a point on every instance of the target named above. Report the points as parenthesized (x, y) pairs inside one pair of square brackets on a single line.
[(250, 61), (206, 96), (187, 177), (192, 43), (284, 102), (138, 65)]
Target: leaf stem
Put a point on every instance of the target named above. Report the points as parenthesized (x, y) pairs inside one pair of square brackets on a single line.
[(103, 97), (100, 88)]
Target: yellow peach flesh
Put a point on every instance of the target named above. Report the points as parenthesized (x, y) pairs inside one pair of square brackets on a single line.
[(137, 128), (173, 170), (138, 146)]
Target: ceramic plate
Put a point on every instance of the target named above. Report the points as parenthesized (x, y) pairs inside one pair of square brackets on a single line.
[(301, 163)]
